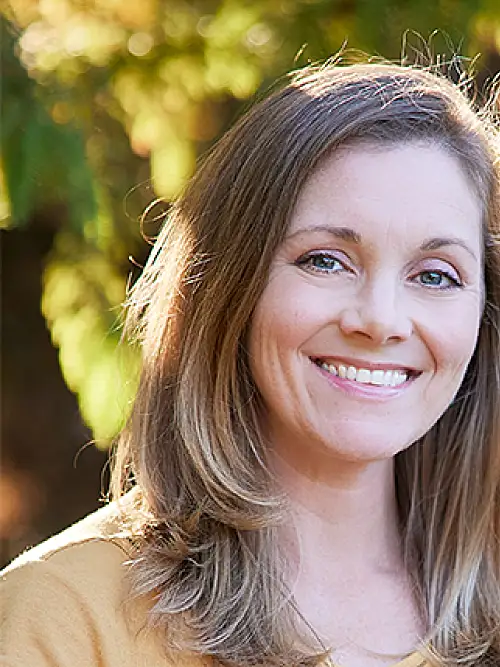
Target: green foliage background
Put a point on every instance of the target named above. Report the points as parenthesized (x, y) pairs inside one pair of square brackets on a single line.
[(107, 104)]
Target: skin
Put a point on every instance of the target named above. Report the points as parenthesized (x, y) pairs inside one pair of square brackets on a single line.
[(382, 267)]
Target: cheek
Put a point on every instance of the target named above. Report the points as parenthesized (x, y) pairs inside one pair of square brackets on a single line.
[(273, 333), (454, 336), (286, 317)]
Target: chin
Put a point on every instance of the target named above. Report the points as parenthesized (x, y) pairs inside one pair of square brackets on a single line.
[(366, 446)]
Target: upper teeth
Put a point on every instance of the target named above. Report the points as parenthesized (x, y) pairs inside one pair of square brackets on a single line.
[(379, 377)]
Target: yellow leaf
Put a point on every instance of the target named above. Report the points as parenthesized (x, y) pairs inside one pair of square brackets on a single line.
[(171, 167)]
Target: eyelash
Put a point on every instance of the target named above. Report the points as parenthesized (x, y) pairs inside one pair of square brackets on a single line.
[(306, 261), (453, 282)]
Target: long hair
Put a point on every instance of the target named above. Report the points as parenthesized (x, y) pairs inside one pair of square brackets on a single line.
[(207, 509)]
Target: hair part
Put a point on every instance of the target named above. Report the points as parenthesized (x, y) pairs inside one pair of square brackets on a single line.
[(208, 509)]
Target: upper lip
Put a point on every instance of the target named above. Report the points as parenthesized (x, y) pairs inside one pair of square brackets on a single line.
[(369, 365)]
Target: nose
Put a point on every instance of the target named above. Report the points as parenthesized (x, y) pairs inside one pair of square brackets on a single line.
[(377, 313)]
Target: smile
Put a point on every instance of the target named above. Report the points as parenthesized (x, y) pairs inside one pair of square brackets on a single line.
[(378, 377)]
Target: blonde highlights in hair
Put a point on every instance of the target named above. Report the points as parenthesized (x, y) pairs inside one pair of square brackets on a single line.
[(208, 508)]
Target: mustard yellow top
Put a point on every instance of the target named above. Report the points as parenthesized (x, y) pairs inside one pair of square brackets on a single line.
[(62, 605)]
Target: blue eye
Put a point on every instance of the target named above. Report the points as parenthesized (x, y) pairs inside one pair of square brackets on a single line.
[(321, 262), (437, 280)]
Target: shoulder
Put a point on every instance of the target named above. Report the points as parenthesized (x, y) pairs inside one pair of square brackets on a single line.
[(89, 558), (97, 536), (68, 602)]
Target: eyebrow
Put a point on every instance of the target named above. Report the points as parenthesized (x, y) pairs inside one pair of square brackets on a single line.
[(343, 233), (351, 236), (443, 241)]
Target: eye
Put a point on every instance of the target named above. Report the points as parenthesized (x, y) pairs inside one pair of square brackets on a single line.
[(321, 262), (437, 279)]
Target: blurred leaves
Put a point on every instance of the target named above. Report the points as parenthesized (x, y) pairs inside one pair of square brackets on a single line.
[(81, 293), (43, 157), (108, 104)]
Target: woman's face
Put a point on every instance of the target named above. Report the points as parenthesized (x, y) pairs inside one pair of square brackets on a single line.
[(370, 317)]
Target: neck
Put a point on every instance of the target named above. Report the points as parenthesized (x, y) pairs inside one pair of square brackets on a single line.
[(343, 518), (342, 550)]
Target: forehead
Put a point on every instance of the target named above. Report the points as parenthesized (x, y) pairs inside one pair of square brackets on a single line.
[(409, 191)]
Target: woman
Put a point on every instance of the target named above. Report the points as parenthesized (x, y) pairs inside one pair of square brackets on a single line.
[(311, 470)]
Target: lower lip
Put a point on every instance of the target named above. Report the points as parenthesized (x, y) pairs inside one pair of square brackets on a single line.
[(368, 391)]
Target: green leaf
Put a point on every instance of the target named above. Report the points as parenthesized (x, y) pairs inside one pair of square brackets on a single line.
[(81, 304), (43, 162)]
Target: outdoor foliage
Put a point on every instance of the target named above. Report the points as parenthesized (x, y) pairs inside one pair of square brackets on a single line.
[(107, 104)]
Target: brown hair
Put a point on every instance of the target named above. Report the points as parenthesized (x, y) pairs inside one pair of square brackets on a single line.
[(193, 441)]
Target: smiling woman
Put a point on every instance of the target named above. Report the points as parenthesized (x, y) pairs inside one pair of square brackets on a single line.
[(311, 470), (379, 283)]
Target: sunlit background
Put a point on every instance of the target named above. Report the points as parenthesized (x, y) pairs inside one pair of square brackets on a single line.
[(106, 105)]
